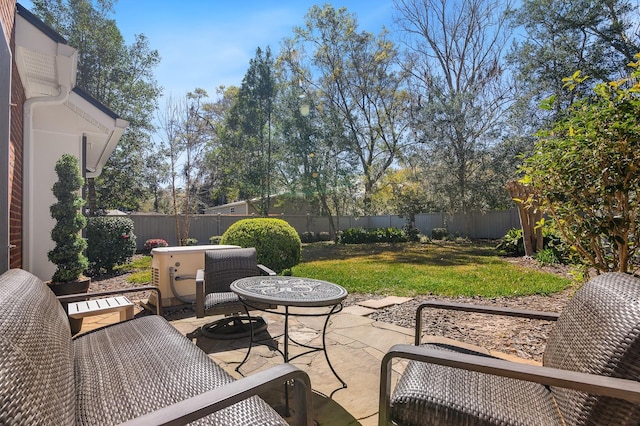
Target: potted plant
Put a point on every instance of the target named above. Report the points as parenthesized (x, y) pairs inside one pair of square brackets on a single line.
[(69, 253)]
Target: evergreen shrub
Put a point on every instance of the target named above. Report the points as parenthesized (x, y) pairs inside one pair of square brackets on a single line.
[(439, 233), (308, 237), (111, 242), (276, 242), (68, 254), (361, 235)]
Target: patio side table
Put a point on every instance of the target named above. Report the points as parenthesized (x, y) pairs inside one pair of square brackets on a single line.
[(292, 292)]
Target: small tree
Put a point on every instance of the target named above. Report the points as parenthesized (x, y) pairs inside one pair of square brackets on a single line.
[(68, 254), (586, 173)]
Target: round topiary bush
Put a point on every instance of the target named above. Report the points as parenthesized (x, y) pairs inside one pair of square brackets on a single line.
[(277, 243)]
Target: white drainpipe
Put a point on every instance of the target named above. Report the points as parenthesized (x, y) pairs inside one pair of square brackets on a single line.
[(28, 214)]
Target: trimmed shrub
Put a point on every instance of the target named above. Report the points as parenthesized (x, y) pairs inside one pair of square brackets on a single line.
[(154, 243), (110, 242), (375, 235), (189, 242), (357, 235), (277, 243), (439, 233), (68, 254), (411, 232), (215, 239), (308, 237), (324, 236)]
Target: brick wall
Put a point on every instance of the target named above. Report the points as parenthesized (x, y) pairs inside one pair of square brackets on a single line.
[(7, 16), (7, 13), (16, 155)]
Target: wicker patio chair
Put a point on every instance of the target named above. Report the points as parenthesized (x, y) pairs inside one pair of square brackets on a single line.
[(213, 296), (590, 373)]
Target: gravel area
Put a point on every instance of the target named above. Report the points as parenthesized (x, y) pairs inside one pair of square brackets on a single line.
[(522, 337)]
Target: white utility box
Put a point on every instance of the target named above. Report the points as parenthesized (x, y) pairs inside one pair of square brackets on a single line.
[(185, 261)]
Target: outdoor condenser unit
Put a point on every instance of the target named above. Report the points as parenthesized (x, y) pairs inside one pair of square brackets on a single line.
[(173, 270)]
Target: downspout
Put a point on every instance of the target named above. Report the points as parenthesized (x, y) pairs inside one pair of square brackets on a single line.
[(29, 106)]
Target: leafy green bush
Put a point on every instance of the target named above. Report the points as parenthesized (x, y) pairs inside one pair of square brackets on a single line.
[(584, 171), (110, 241), (439, 233), (512, 243), (547, 256), (411, 232), (324, 236), (308, 237), (153, 243), (215, 239), (277, 243), (189, 242), (361, 235)]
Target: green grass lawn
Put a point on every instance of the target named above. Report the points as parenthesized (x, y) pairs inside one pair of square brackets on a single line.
[(140, 269), (409, 269), (412, 269)]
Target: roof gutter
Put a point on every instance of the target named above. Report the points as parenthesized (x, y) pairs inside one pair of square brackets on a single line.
[(65, 62)]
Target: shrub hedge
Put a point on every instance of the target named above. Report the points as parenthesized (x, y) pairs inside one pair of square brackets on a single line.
[(277, 243), (361, 235)]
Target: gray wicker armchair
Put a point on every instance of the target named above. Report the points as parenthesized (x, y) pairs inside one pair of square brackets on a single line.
[(590, 373), (213, 296)]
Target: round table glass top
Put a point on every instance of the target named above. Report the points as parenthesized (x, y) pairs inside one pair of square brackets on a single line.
[(289, 291)]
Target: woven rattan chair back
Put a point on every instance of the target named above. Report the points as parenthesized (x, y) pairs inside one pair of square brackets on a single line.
[(34, 389), (598, 333), (222, 267)]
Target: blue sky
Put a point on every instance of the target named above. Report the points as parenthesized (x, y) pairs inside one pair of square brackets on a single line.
[(208, 43)]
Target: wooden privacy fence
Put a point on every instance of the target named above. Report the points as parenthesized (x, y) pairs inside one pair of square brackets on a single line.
[(490, 225)]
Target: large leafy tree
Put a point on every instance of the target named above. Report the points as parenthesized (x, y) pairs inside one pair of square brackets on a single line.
[(461, 92), (585, 173), (316, 161), (251, 120), (597, 37), (121, 77), (358, 85)]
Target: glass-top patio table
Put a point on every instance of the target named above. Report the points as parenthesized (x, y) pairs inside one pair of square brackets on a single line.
[(292, 292)]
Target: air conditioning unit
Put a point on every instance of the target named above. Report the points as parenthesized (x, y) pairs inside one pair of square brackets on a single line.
[(173, 270)]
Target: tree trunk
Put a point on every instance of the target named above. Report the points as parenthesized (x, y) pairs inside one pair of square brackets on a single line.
[(530, 215)]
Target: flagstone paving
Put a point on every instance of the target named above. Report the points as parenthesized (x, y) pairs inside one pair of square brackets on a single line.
[(383, 303)]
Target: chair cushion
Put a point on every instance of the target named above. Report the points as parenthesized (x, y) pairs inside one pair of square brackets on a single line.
[(430, 394), (131, 368), (227, 298), (599, 333), (36, 366)]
